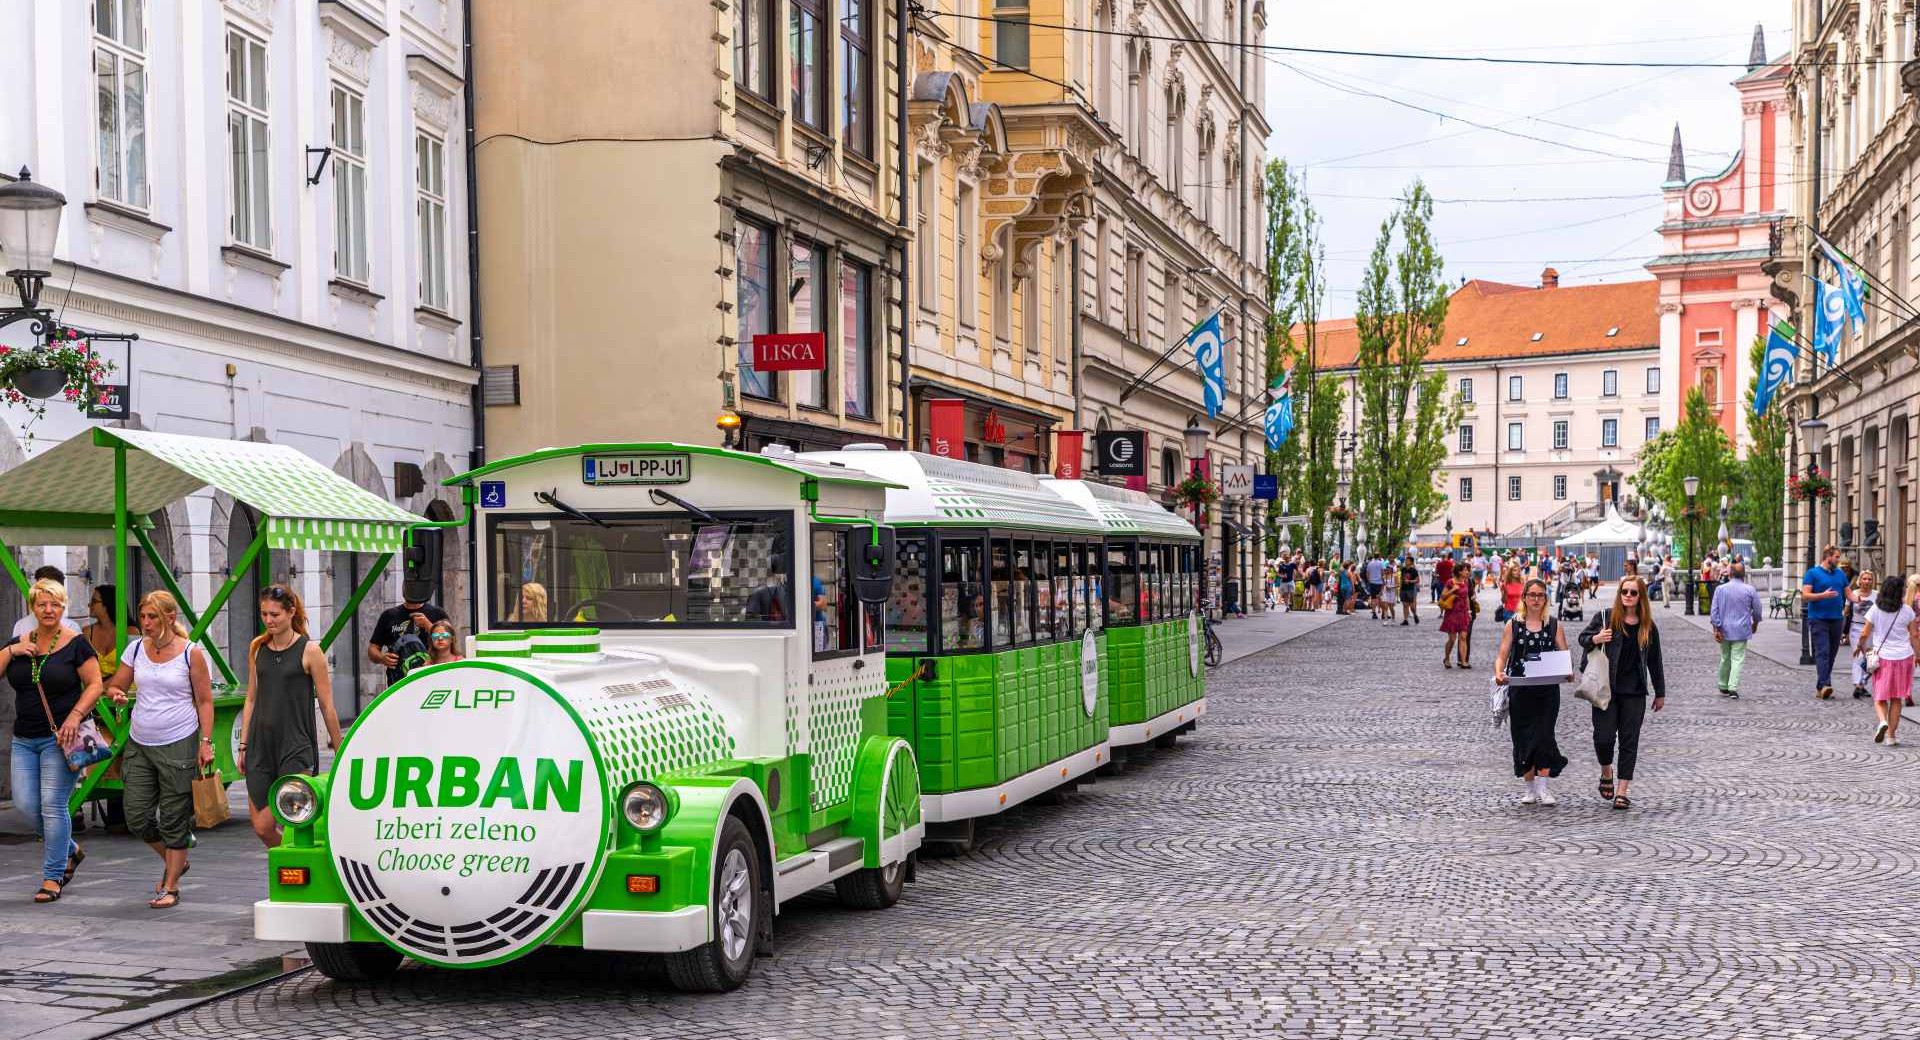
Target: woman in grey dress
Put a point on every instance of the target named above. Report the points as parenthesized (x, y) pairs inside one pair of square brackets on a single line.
[(286, 675)]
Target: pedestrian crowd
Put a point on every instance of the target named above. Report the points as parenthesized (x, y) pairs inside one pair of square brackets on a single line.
[(60, 671)]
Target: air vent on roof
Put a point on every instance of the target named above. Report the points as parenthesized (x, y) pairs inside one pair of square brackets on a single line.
[(1462, 343), (1537, 335), (1615, 331)]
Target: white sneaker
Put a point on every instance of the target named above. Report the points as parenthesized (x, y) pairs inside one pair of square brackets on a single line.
[(1532, 797), (1546, 796)]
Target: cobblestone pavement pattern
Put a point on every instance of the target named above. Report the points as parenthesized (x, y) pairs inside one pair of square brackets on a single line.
[(1338, 852)]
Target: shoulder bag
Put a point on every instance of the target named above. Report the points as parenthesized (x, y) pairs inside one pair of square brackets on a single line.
[(89, 745), (1872, 663), (1596, 680)]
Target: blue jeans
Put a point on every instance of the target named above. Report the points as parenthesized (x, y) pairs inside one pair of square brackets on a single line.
[(42, 783), (1827, 637)]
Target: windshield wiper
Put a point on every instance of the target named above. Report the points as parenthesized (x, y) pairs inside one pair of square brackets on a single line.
[(660, 496), (552, 498)]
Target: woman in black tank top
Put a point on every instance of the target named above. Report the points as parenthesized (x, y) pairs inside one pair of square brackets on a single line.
[(286, 675)]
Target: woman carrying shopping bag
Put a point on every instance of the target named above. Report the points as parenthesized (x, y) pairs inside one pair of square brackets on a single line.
[(1626, 634), (56, 680), (1532, 710)]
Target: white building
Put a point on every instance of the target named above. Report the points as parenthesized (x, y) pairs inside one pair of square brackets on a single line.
[(272, 195)]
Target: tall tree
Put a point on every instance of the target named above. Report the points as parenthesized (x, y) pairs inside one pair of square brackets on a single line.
[(1405, 409), (1762, 502), (1696, 447), (1296, 286)]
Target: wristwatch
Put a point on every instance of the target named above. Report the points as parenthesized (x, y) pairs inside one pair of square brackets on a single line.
[(209, 741)]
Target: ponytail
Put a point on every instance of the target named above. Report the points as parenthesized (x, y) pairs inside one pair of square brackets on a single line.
[(288, 599)]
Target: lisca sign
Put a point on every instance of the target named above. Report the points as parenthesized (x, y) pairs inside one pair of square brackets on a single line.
[(790, 352)]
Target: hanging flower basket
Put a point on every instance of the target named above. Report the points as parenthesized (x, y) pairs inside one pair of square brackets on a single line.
[(1815, 485), (1196, 491), (1339, 514), (65, 368)]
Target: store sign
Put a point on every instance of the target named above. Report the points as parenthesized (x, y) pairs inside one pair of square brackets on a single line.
[(992, 430), (790, 352), (459, 792), (947, 427), (1066, 454), (1121, 453), (1236, 480), (113, 395), (636, 469), (1266, 487)]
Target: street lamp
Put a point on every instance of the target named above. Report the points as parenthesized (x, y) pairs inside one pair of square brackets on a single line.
[(1342, 485), (1195, 436), (1814, 432), (29, 227), (1692, 484)]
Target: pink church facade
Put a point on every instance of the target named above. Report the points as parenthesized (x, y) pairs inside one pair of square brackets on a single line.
[(1714, 298)]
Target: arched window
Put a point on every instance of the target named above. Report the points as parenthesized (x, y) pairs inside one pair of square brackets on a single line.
[(1204, 181), (1176, 115), (1103, 59), (1170, 467), (1003, 290), (1137, 94)]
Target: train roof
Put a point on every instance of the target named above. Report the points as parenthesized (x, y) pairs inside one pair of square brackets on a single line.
[(1123, 511), (932, 491), (788, 461)]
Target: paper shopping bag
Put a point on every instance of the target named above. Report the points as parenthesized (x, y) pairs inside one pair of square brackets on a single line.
[(209, 801)]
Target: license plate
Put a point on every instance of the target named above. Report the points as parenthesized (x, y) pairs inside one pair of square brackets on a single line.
[(636, 469)]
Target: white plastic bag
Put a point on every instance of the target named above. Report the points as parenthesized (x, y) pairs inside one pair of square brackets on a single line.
[(1596, 684)]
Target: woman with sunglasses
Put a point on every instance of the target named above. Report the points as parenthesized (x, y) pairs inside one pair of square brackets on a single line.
[(286, 676), (1532, 711), (1626, 634), (443, 645)]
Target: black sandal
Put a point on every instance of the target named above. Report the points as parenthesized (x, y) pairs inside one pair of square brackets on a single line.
[(1623, 802), (1606, 788), (48, 895), (73, 865), (166, 900)]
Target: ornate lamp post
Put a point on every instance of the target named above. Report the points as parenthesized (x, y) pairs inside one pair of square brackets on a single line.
[(29, 227), (1692, 484), (1195, 436), (1814, 432)]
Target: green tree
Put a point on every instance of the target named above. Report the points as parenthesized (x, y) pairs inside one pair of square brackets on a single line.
[(1405, 409), (1762, 502), (1697, 447), (1296, 288)]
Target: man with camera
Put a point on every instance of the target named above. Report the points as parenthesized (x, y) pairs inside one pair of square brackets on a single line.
[(400, 635)]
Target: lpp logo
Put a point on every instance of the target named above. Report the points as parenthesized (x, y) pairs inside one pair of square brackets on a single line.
[(467, 700)]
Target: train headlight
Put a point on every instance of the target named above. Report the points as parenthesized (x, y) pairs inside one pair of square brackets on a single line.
[(646, 807), (295, 801)]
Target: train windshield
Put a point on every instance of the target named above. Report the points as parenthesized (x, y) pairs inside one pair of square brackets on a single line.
[(618, 571)]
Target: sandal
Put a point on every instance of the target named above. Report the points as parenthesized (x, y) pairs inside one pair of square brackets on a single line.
[(48, 895), (73, 865), (1446, 663), (1606, 788), (166, 900), (1623, 802), (161, 885)]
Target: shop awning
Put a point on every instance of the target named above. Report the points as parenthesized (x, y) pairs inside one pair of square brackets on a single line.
[(66, 496)]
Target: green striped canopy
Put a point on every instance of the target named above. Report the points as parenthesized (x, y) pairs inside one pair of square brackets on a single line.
[(65, 496)]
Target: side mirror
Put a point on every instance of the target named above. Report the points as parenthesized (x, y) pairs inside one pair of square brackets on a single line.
[(421, 566), (872, 564)]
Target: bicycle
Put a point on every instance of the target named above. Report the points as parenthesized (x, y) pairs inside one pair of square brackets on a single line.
[(1215, 651)]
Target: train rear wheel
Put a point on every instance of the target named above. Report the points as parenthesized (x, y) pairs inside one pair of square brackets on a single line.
[(354, 962), (872, 888), (738, 913)]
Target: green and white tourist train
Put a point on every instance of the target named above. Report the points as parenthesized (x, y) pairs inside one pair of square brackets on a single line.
[(709, 681)]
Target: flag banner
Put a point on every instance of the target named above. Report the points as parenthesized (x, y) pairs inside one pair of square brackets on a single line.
[(1829, 321), (1279, 422), (1852, 287), (1776, 365), (1066, 454), (947, 427), (1209, 352)]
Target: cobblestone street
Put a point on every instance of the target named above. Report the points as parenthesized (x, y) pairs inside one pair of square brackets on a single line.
[(1338, 852)]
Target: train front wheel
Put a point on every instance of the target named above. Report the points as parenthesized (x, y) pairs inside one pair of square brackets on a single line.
[(738, 908), (354, 962)]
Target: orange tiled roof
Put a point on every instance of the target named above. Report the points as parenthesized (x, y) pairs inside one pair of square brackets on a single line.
[(1498, 321)]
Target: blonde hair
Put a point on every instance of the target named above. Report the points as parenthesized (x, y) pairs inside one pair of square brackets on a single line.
[(162, 603), (54, 590), (537, 592), (1913, 586)]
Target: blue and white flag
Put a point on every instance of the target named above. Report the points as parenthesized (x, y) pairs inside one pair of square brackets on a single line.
[(1776, 365), (1209, 352), (1280, 417), (1829, 320), (1853, 289)]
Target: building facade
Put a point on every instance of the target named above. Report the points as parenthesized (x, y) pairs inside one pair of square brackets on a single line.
[(1855, 142), (271, 195), (1715, 298), (641, 229), (1560, 386)]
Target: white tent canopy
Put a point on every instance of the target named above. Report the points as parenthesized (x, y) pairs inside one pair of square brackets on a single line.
[(1613, 529)]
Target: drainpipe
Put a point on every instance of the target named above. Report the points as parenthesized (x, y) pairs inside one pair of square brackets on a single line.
[(477, 455), (902, 22), (1495, 489), (1073, 315)]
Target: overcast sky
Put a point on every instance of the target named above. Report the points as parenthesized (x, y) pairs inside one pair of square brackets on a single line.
[(1355, 145)]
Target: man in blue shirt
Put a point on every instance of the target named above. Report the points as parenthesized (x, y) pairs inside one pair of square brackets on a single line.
[(1823, 590)]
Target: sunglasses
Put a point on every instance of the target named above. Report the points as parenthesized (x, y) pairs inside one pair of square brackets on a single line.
[(442, 638), (277, 593), (1624, 593)]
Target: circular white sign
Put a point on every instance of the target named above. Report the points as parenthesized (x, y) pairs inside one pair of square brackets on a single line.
[(467, 815), (1089, 672), (1193, 644)]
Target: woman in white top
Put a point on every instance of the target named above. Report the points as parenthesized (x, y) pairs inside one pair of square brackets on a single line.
[(172, 739), (1890, 634)]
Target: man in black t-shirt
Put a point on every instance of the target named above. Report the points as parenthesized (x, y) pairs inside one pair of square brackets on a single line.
[(412, 615)]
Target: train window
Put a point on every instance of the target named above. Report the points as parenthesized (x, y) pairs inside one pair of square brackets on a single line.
[(1023, 593), (1086, 559), (1066, 609), (907, 607), (1043, 592), (1002, 593), (963, 608), (1187, 556), (835, 611), (1151, 583), (646, 570), (1123, 585)]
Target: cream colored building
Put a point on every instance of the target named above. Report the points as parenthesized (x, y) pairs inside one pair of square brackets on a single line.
[(660, 182), (1560, 388), (1854, 136)]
